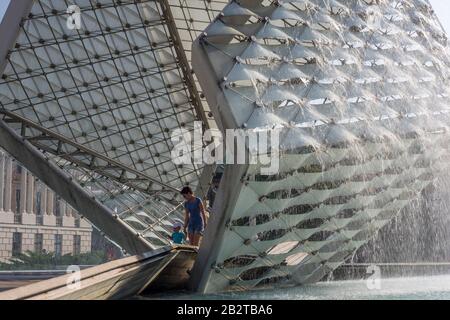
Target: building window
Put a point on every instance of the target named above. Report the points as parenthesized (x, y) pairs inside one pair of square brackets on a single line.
[(17, 218), (59, 221), (59, 218), (17, 214), (58, 244), (77, 222), (38, 203), (57, 206), (38, 242), (17, 244), (76, 244), (17, 201), (40, 220)]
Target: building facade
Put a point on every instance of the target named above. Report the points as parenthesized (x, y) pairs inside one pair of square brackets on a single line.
[(33, 218)]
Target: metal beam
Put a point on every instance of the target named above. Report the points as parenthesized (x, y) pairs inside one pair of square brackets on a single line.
[(10, 27), (183, 62), (56, 179), (217, 225)]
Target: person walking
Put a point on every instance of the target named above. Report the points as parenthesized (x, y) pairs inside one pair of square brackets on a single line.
[(195, 216)]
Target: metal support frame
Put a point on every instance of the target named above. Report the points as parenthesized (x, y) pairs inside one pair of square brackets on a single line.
[(56, 179), (11, 24), (183, 62), (214, 236)]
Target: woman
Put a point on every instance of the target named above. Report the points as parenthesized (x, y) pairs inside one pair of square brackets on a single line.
[(195, 217)]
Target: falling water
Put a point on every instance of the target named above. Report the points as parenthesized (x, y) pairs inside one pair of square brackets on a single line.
[(421, 233)]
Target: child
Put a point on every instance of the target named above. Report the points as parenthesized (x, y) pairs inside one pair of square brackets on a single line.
[(177, 236)]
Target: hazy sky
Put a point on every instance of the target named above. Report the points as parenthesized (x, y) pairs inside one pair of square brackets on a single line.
[(442, 8), (3, 5)]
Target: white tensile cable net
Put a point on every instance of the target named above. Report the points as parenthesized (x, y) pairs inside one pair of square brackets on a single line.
[(360, 91)]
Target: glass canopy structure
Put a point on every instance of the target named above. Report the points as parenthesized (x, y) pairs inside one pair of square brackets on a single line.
[(358, 90), (101, 101)]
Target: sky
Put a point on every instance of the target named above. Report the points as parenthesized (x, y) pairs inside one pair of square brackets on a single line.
[(442, 8), (3, 6)]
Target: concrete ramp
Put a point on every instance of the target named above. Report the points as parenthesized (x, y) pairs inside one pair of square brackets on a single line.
[(119, 279)]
